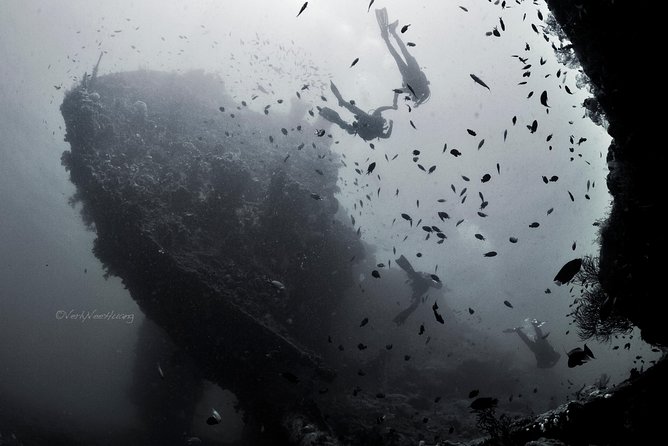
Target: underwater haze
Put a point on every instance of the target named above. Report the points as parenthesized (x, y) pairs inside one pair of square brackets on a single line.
[(466, 207)]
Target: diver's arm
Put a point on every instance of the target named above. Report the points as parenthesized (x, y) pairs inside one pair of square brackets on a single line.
[(379, 110)]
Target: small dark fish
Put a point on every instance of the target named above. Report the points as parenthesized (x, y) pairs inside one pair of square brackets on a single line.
[(471, 132), (459, 222), (484, 403), (490, 254), (405, 28), (545, 180), (543, 98), (571, 195), (413, 125), (549, 211), (549, 137), (530, 94), (473, 393), (320, 133), (579, 356), (303, 8), (435, 278), (371, 167), (513, 239), (438, 317), (463, 9), (364, 322), (485, 178), (481, 143), (421, 332), (407, 357), (507, 304), (431, 169), (443, 215), (498, 168), (568, 271), (357, 59), (503, 26), (361, 346), (568, 90), (533, 127), (480, 236), (375, 274), (455, 153), (214, 418), (548, 291), (370, 3), (496, 32), (284, 131), (411, 89), (410, 44), (514, 120), (290, 377), (479, 81), (316, 196), (222, 109), (535, 224)]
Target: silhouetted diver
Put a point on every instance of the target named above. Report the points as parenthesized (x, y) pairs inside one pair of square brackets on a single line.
[(414, 80), (367, 126), (420, 284), (546, 356)]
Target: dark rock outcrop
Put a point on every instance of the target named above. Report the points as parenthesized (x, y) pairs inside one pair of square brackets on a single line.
[(213, 231), (606, 36)]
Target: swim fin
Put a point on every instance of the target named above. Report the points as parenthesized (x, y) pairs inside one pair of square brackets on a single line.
[(405, 265), (381, 18)]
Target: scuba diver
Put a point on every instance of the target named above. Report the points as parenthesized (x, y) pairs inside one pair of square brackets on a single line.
[(414, 80), (367, 126), (546, 356), (420, 284)]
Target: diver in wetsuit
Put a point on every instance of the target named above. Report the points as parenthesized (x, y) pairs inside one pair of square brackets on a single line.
[(367, 126), (420, 284), (414, 80), (546, 356)]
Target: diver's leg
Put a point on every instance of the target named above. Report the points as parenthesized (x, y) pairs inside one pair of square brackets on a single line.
[(334, 118), (355, 110), (410, 60), (401, 317), (383, 33), (336, 92)]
